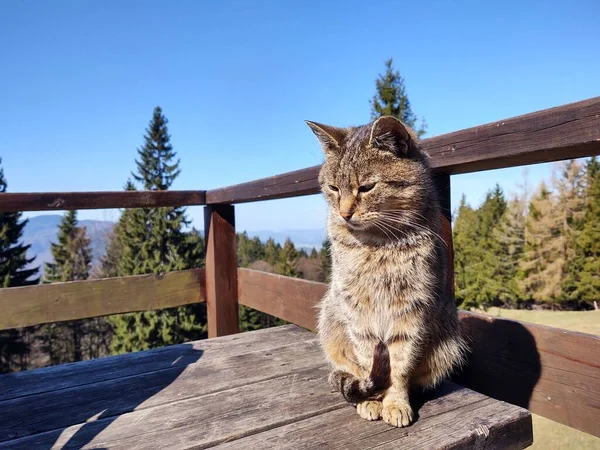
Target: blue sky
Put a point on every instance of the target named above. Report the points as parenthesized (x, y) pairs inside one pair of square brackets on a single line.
[(236, 79)]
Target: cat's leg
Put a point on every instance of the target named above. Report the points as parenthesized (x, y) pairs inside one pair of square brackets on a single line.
[(338, 349), (396, 409)]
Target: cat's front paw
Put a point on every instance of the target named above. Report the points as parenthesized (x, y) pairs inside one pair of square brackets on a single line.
[(370, 409), (397, 414)]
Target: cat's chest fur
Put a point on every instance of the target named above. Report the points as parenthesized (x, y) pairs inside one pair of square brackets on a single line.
[(378, 281)]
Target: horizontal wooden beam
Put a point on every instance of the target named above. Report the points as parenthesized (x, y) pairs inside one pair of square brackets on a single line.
[(553, 372), (291, 184), (60, 201), (58, 302), (290, 299), (550, 371), (565, 132)]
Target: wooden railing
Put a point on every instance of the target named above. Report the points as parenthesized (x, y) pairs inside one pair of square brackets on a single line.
[(553, 372)]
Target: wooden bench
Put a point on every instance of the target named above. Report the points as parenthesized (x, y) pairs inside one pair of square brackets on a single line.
[(265, 389)]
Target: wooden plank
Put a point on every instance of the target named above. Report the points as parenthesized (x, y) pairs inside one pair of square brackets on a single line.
[(200, 422), (65, 376), (209, 374), (59, 201), (290, 184), (275, 414), (565, 132), (453, 417), (552, 372), (57, 302), (290, 299), (221, 270)]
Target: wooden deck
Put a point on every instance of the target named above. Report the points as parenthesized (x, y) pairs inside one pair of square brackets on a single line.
[(259, 390)]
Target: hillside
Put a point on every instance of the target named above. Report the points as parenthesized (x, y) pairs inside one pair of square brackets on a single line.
[(40, 231)]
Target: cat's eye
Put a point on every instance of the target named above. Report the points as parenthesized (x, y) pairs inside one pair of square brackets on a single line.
[(366, 187), (334, 188)]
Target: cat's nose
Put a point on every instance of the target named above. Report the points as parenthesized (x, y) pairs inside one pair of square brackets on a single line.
[(346, 215)]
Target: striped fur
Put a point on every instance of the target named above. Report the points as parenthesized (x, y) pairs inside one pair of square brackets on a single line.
[(387, 306)]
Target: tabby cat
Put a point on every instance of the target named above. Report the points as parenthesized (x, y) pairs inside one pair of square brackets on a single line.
[(388, 323)]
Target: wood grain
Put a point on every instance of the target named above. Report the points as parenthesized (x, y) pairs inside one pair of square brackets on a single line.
[(290, 299), (450, 419), (208, 374), (57, 302), (221, 270), (273, 397), (66, 376), (553, 372), (59, 201), (565, 132)]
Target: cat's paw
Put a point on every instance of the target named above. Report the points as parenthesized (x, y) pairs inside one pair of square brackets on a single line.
[(397, 414), (369, 410)]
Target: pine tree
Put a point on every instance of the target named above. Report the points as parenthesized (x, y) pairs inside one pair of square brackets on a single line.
[(272, 251), (509, 238), (543, 260), (287, 263), (583, 280), (72, 257), (13, 254), (391, 99), (15, 270), (72, 254), (153, 241), (465, 252), (478, 253)]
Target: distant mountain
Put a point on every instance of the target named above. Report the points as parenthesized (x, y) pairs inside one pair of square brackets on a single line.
[(40, 231), (306, 239)]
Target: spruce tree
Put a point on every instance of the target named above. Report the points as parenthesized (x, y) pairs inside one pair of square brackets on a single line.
[(542, 265), (464, 238), (391, 99), (509, 238), (583, 280), (153, 241), (287, 263), (15, 270), (72, 257)]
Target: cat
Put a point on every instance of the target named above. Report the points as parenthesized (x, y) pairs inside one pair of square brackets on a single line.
[(388, 323)]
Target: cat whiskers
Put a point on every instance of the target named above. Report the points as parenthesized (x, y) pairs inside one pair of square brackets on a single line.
[(396, 218)]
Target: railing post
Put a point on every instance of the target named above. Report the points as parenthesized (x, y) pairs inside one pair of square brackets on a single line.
[(221, 270), (442, 182)]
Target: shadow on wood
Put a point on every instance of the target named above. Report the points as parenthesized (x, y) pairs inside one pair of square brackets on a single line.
[(90, 402), (504, 362), (132, 393)]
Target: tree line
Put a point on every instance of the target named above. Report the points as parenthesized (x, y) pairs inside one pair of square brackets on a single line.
[(538, 248)]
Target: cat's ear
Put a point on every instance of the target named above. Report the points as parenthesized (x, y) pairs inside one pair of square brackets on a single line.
[(330, 137), (389, 134)]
